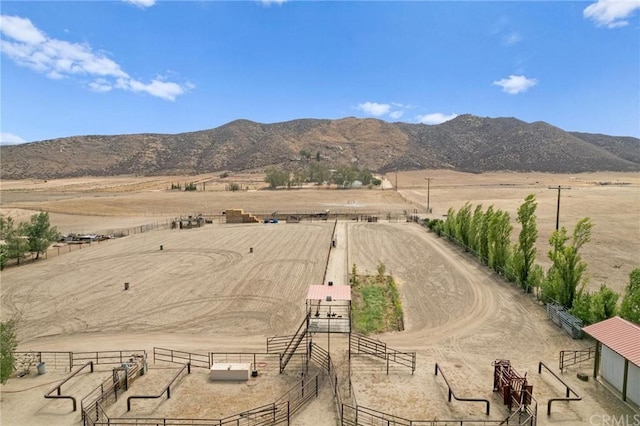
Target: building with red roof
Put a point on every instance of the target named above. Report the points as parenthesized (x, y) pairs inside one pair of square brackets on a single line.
[(618, 355)]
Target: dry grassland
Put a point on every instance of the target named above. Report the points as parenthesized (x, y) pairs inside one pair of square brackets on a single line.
[(205, 291)]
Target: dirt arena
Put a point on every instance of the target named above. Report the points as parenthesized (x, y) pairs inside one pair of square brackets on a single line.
[(206, 291)]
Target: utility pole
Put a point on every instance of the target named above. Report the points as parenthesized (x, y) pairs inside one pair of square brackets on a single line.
[(396, 180), (428, 191), (559, 188)]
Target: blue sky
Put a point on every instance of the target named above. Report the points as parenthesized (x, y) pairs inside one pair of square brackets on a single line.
[(97, 67)]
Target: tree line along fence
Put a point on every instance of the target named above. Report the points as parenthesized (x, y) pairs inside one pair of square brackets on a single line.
[(391, 216), (60, 248)]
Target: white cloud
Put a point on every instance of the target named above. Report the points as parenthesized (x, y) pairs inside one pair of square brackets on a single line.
[(161, 89), (375, 109), (516, 84), (10, 139), (21, 30), (58, 59), (611, 13), (141, 3), (270, 2), (512, 38), (435, 118), (393, 110), (101, 85)]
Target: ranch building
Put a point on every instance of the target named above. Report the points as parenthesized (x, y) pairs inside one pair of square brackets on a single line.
[(617, 358)]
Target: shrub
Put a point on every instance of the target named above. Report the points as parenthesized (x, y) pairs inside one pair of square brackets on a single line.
[(8, 344)]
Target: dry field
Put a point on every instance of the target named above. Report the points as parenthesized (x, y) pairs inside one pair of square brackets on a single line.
[(205, 291)]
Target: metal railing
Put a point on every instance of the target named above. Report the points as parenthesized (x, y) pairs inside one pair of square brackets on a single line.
[(167, 388), (68, 360), (181, 357), (360, 344), (364, 416), (568, 390), (569, 358), (294, 343), (278, 344), (92, 405), (58, 387), (452, 393), (278, 412)]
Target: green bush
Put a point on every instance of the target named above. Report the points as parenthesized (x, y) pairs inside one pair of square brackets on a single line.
[(595, 307), (8, 344), (630, 307), (376, 302)]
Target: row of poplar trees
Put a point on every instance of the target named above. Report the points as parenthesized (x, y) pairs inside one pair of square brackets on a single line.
[(487, 234)]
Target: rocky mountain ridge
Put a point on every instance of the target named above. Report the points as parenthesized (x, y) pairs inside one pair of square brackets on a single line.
[(467, 143)]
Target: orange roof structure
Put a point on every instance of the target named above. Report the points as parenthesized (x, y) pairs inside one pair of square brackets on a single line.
[(619, 335), (337, 292)]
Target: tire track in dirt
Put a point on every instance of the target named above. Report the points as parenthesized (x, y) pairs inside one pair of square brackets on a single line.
[(404, 251)]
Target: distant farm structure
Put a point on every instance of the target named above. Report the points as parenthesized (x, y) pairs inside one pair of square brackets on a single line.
[(191, 221)]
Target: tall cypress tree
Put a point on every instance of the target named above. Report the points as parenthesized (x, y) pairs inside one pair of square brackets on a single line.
[(526, 248)]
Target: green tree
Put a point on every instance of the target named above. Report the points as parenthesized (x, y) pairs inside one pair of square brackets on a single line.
[(4, 252), (564, 278), (449, 226), (630, 306), (299, 176), (275, 177), (582, 307), (39, 232), (525, 250), (365, 176), (463, 223), (4, 255), (499, 241), (8, 345), (604, 304), (483, 235), (305, 154), (475, 229), (595, 307), (353, 280), (382, 270), (344, 175), (318, 173), (14, 246)]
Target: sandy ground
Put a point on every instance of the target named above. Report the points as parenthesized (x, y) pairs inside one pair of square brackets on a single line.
[(206, 292)]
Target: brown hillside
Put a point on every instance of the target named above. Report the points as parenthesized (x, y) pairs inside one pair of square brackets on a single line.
[(466, 143)]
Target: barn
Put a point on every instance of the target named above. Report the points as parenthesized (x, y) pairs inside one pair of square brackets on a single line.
[(617, 358)]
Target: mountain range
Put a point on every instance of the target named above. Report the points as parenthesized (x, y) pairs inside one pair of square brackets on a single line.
[(466, 143)]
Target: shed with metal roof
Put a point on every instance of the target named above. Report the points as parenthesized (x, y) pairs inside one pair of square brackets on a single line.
[(617, 358), (329, 308)]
